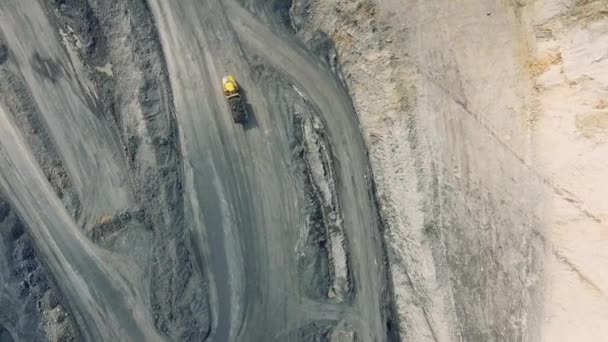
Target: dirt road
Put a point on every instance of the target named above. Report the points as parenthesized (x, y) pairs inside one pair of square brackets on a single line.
[(274, 228), (255, 214)]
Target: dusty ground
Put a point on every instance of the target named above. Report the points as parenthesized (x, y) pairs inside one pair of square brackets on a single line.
[(411, 170), (485, 124), (157, 216)]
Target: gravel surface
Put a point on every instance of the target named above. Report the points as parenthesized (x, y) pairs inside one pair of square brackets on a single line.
[(158, 217), (408, 170)]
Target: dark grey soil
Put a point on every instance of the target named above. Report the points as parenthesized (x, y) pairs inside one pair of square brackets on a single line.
[(178, 294), (5, 336), (313, 253), (29, 290), (118, 45), (122, 34)]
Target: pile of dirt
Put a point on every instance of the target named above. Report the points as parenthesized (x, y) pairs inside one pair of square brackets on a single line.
[(28, 291), (322, 250), (318, 160), (565, 53)]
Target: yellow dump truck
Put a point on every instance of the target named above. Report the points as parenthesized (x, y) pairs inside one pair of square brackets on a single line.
[(235, 101)]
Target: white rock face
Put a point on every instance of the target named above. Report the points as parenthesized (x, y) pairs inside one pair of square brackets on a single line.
[(570, 135), (487, 125)]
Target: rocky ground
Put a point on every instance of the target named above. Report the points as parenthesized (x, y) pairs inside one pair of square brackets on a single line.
[(28, 290), (482, 218), (129, 95), (94, 166)]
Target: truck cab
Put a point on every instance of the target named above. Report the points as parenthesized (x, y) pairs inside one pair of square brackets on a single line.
[(234, 99)]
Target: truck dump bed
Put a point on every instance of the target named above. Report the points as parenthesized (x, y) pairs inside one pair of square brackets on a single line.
[(237, 107)]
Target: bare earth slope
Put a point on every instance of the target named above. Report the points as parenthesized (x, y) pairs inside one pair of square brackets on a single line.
[(485, 123), (410, 170)]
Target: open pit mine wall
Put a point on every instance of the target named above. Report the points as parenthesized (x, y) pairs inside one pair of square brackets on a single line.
[(485, 123), (486, 132)]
